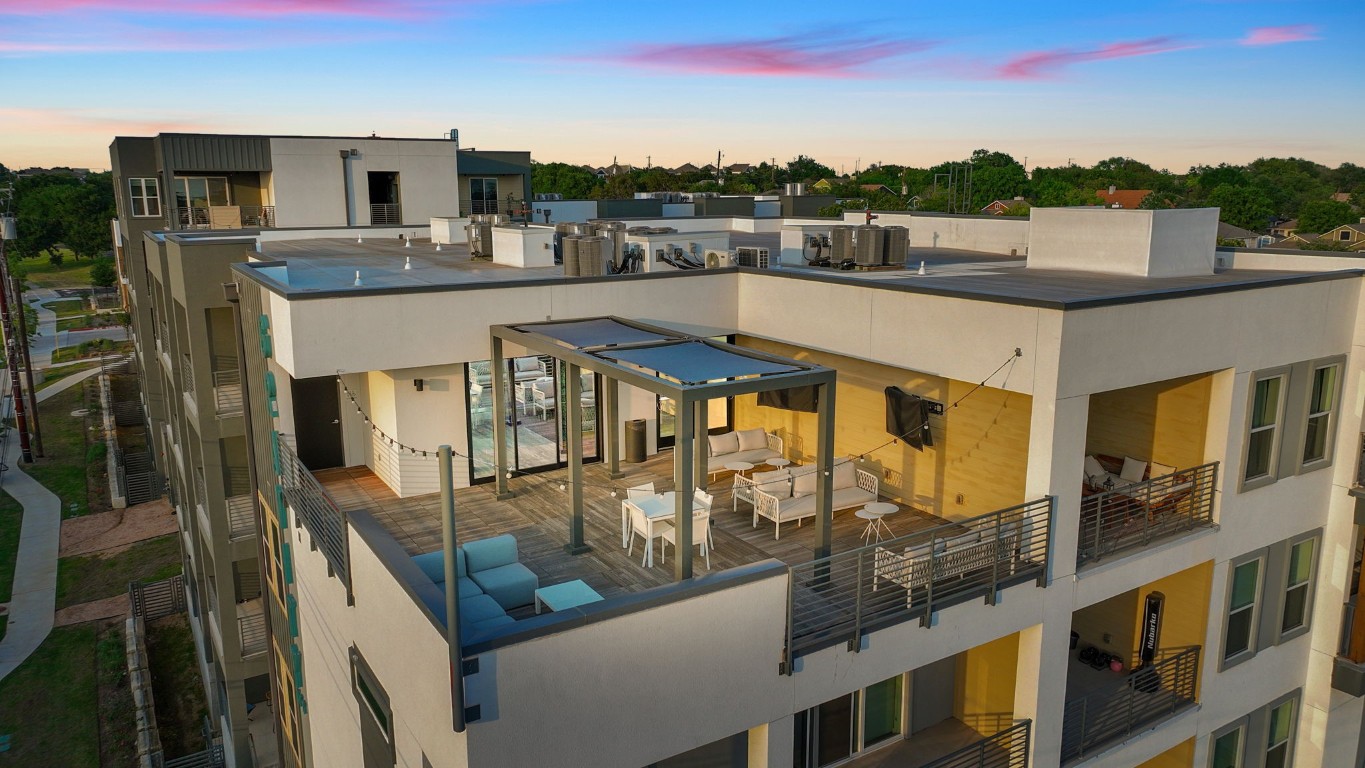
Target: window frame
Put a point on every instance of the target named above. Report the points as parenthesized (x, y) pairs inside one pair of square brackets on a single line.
[(1291, 741), (1277, 440), (1258, 599), (1241, 726), (1332, 414), (362, 674), (134, 197), (1282, 634)]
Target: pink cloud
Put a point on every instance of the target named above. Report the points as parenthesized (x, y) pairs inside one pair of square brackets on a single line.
[(248, 9), (770, 57), (87, 123), (1038, 65), (1293, 33)]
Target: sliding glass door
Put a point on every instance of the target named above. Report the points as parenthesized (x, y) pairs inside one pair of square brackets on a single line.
[(534, 389)]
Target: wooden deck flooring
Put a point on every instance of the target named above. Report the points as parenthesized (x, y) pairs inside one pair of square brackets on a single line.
[(538, 516)]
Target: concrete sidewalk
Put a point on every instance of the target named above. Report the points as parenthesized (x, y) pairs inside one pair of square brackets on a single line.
[(32, 606)]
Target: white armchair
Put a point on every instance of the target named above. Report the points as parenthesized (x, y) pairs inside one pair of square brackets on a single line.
[(543, 396), (528, 369)]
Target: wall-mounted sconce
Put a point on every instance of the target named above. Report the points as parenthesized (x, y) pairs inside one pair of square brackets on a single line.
[(417, 383)]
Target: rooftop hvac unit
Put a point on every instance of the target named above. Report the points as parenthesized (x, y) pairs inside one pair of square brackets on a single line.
[(717, 259), (592, 256), (662, 230), (752, 257), (548, 196), (571, 264), (867, 250), (794, 188), (841, 243), (585, 229), (896, 245), (480, 237), (638, 231), (615, 233)]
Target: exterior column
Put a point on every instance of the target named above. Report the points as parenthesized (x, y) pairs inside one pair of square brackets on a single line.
[(703, 410), (770, 744), (498, 367), (609, 402), (573, 412), (824, 479), (1040, 681), (682, 477)]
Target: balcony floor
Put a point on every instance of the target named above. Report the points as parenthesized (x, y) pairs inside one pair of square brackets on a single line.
[(924, 747), (538, 517)]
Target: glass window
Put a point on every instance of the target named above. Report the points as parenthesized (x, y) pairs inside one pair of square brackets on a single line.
[(1265, 419), (1227, 750), (1246, 580), (1321, 403), (1298, 585), (1279, 735), (834, 730), (145, 197), (373, 702), (882, 711)]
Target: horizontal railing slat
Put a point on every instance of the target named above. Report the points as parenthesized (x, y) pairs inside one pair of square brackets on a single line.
[(1123, 519)]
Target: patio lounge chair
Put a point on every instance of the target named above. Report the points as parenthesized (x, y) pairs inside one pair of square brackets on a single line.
[(543, 396), (783, 496)]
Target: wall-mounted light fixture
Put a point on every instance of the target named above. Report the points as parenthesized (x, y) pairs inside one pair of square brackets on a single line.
[(417, 383)]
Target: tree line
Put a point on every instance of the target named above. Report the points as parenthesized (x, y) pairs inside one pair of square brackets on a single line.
[(57, 214), (1252, 196)]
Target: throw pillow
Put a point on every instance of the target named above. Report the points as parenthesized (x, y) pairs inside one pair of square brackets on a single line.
[(803, 481), (752, 439), (845, 475), (1093, 469), (1133, 469), (1162, 470), (721, 444), (776, 483)]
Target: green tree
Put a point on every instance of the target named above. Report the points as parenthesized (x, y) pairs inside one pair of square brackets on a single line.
[(103, 274), (1054, 192), (1160, 200), (85, 214), (806, 169), (571, 181), (1247, 207), (1323, 215), (1018, 209), (1290, 182), (622, 185)]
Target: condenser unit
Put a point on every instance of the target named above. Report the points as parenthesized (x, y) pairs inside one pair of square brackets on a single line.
[(717, 259), (752, 257)]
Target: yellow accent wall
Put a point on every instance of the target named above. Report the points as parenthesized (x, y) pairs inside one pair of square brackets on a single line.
[(1116, 617), (1164, 421), (1179, 756), (1184, 616), (980, 448), (984, 698)]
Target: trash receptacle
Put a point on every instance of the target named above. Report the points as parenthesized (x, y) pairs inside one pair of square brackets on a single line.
[(635, 441)]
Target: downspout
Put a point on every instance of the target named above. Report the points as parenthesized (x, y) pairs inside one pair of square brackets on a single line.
[(346, 188), (231, 293), (452, 591)]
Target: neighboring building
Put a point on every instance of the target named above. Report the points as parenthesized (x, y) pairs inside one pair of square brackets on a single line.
[(1350, 235), (1285, 228), (189, 206), (1128, 199), (737, 168), (1108, 449), (878, 189), (1341, 197), (998, 207), (823, 185), (686, 168), (1238, 237)]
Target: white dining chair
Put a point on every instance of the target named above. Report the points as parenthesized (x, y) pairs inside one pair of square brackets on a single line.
[(701, 530), (703, 500), (632, 520)]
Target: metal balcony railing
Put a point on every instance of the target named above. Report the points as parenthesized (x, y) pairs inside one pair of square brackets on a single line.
[(317, 511), (241, 518), (385, 215), (225, 217), (187, 375), (227, 392), (1129, 518), (1360, 464), (201, 489), (509, 207), (1145, 696), (1005, 749), (251, 631), (840, 598)]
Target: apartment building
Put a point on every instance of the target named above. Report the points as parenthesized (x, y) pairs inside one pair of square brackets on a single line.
[(190, 206), (1123, 531)]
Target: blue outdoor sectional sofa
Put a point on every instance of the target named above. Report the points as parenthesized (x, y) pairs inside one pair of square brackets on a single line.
[(491, 581)]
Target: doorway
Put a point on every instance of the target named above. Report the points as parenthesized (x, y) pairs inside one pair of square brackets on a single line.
[(385, 201), (483, 195), (317, 422)]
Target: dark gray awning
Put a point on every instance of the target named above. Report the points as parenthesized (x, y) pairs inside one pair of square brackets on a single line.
[(697, 362), (597, 332)]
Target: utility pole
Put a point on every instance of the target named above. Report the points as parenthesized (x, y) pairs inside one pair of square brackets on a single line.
[(11, 357), (718, 170), (28, 367)]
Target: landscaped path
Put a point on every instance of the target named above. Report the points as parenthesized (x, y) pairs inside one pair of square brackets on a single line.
[(34, 597), (45, 343)]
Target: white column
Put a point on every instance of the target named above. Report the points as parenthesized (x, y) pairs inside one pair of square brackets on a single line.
[(770, 744)]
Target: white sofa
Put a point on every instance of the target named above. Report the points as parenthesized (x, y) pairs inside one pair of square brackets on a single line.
[(786, 495), (750, 445), (953, 556)]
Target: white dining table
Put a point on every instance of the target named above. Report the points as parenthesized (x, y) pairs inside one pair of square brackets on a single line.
[(656, 508)]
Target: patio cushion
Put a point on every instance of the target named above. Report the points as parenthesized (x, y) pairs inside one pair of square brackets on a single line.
[(1093, 469), (803, 483), (433, 565), (776, 483), (487, 624), (1162, 470), (1133, 469), (467, 587), (752, 439), (528, 365), (845, 474), (479, 608), (484, 554), (512, 585), (722, 444)]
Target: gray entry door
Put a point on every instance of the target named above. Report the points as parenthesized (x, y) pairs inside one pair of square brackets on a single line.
[(932, 690)]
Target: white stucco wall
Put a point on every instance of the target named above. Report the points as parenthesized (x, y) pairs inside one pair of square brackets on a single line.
[(988, 234), (563, 210), (1125, 242), (524, 246)]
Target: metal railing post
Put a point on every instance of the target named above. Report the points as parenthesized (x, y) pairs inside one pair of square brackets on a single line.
[(927, 620), (856, 643), (995, 562)]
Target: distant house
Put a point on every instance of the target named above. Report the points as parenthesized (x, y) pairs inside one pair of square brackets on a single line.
[(1122, 198), (686, 168), (616, 169), (735, 168), (1247, 238), (823, 185), (879, 189), (1341, 197), (709, 169), (998, 207), (1350, 235), (1285, 228), (599, 171)]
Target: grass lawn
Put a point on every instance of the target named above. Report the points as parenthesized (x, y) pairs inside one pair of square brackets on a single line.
[(11, 516), (91, 350), (176, 686), (57, 373), (67, 307), (74, 322), (63, 468), (73, 273), (83, 578), (50, 703)]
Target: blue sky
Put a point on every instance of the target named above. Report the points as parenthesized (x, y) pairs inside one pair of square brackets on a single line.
[(1171, 83)]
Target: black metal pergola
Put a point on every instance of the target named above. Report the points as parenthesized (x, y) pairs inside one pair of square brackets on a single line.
[(690, 370)]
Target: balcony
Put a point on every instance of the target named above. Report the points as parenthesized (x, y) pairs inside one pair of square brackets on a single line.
[(1007, 748), (187, 376), (1358, 485), (241, 518), (385, 215), (251, 631), (1133, 516), (507, 206), (227, 393), (1115, 711), (225, 217), (1348, 671)]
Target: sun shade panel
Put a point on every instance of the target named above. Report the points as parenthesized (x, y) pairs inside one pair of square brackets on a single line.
[(696, 362), (597, 332)]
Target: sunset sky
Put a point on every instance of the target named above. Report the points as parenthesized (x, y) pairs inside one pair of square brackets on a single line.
[(1172, 84)]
